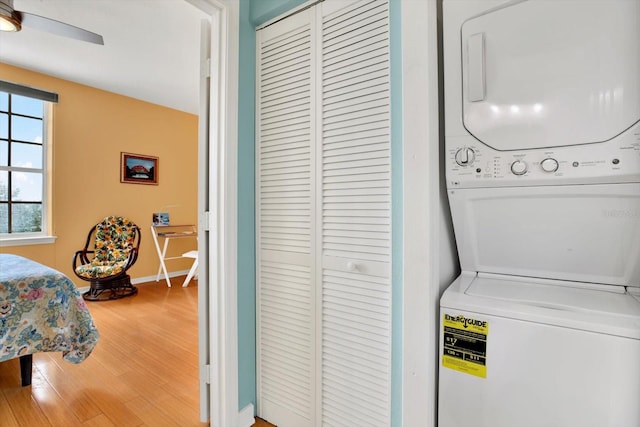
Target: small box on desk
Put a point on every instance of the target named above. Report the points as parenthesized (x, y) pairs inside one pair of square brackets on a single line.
[(160, 219)]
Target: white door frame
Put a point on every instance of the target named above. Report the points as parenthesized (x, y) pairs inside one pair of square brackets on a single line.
[(422, 265), (217, 219)]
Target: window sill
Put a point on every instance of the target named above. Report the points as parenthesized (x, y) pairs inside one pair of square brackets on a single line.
[(25, 241)]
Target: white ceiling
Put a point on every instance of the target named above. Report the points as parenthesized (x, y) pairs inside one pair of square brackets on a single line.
[(151, 47)]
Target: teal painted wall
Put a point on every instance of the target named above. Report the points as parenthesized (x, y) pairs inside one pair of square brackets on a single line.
[(246, 210), (265, 10), (252, 14)]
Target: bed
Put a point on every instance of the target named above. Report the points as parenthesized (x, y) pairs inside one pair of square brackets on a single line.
[(41, 311)]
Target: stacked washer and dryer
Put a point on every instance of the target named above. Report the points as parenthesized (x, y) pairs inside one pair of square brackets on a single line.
[(542, 104)]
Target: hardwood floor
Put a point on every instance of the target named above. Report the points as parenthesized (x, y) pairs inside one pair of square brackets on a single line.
[(262, 423), (143, 372)]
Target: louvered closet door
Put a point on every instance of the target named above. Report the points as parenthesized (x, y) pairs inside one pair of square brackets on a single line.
[(324, 232), (286, 295), (355, 200)]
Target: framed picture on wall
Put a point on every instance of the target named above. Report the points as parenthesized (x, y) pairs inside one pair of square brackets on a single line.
[(138, 169)]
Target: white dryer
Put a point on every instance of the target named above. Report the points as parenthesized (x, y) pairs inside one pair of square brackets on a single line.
[(542, 120)]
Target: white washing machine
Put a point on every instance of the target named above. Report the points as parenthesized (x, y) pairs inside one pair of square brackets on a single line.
[(542, 113)]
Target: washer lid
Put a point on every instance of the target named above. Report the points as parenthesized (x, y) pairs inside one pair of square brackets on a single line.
[(601, 309), (547, 74), (557, 295)]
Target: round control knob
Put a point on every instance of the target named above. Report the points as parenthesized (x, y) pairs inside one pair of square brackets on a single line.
[(519, 167), (549, 165), (465, 156)]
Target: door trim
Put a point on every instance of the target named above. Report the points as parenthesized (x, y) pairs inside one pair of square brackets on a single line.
[(421, 213), (217, 293)]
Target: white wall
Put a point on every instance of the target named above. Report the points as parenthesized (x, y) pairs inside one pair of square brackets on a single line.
[(430, 261)]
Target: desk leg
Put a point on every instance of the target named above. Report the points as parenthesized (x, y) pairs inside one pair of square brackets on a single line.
[(26, 363), (161, 254), (163, 266)]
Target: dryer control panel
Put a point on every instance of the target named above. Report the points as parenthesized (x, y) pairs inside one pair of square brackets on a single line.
[(471, 163)]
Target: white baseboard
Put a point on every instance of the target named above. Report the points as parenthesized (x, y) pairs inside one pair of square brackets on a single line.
[(137, 280), (245, 416)]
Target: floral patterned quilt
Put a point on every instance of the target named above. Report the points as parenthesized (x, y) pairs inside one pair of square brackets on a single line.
[(41, 310)]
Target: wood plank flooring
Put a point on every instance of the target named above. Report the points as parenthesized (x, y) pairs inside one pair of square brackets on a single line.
[(143, 372)]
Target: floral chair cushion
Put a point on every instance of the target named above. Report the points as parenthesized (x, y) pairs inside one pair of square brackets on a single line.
[(115, 237)]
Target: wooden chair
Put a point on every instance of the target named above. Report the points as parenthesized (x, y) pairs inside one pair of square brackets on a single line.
[(110, 250)]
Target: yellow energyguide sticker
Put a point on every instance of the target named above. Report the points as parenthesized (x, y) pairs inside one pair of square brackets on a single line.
[(465, 344)]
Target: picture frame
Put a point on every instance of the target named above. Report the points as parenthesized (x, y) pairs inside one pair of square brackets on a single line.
[(138, 169)]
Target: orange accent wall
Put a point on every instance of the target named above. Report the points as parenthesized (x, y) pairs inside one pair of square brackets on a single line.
[(90, 129)]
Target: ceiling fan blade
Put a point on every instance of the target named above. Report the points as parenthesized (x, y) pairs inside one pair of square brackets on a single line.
[(59, 28)]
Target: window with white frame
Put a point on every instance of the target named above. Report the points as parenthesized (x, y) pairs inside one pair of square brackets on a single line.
[(23, 160)]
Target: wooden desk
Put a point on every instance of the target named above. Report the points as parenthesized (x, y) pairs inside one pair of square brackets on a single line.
[(168, 233)]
